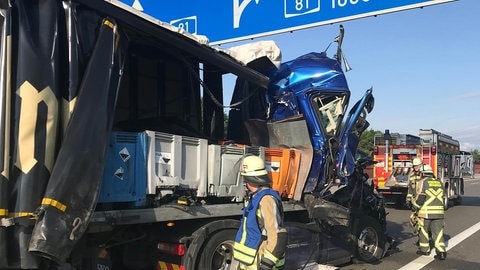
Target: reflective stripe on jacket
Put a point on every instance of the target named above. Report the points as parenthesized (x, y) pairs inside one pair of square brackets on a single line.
[(249, 236)]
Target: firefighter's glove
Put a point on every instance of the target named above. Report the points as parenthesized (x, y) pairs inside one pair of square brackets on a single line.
[(270, 262), (266, 264), (413, 219)]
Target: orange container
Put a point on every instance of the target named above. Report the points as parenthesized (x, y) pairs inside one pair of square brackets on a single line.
[(282, 166)]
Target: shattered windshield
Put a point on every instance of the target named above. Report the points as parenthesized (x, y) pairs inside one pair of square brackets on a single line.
[(330, 109)]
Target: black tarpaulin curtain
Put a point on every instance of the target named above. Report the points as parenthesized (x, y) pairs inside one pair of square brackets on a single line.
[(65, 67), (251, 103), (77, 175), (30, 117)]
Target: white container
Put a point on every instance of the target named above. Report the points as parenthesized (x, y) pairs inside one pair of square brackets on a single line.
[(193, 172), (175, 161), (224, 169)]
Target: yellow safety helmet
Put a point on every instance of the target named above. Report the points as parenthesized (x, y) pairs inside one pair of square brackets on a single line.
[(426, 169), (417, 161), (253, 171)]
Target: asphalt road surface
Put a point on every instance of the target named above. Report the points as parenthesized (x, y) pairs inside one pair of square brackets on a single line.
[(462, 237)]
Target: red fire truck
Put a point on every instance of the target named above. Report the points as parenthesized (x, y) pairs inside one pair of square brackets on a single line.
[(394, 154), (443, 153)]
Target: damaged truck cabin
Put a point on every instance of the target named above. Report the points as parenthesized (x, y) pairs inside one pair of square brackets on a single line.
[(116, 154)]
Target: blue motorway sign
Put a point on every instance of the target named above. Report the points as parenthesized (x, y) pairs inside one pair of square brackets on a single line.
[(223, 21)]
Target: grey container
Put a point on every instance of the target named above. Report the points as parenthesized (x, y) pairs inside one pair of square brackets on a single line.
[(175, 161), (224, 169)]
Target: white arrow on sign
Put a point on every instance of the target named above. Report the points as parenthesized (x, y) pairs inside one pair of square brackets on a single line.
[(136, 5), (238, 10)]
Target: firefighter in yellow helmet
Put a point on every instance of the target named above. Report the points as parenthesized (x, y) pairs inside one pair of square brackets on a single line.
[(261, 240), (430, 211), (413, 178)]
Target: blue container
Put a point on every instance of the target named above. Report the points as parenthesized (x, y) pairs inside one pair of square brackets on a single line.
[(125, 173)]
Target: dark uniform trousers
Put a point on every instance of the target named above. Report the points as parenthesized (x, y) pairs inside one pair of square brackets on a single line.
[(435, 226)]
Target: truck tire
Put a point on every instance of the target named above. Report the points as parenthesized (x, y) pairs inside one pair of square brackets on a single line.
[(217, 252), (445, 202), (458, 200), (370, 238)]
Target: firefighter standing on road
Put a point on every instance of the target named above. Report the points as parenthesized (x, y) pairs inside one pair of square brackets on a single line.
[(413, 178), (261, 240), (430, 211)]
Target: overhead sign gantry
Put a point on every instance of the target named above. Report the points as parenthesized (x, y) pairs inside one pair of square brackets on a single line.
[(224, 21)]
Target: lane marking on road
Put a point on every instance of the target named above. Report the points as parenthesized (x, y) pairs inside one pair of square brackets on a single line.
[(422, 261)]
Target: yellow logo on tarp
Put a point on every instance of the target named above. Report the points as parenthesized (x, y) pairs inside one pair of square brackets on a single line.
[(30, 99)]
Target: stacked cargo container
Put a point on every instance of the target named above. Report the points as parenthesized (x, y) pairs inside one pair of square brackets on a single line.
[(163, 166)]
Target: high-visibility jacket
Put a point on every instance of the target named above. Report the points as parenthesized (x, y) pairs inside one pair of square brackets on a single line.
[(249, 236), (429, 200), (413, 178)]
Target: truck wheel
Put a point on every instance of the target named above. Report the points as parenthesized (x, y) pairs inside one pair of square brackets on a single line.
[(218, 250), (445, 202), (457, 200), (370, 240)]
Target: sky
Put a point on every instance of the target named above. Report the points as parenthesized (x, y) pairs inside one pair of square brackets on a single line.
[(423, 65)]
